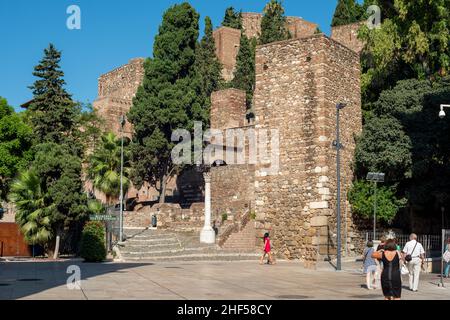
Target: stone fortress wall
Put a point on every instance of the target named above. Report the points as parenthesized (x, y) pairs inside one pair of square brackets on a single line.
[(116, 90), (228, 39), (297, 204), (298, 83)]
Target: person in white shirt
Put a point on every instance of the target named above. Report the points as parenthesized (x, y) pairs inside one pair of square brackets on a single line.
[(417, 254)]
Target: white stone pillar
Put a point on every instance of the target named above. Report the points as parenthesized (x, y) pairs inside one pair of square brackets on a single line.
[(208, 235)]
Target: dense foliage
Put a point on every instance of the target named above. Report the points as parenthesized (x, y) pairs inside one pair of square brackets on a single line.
[(166, 100), (53, 114), (105, 164), (412, 42), (232, 19), (245, 76), (273, 24), (207, 70), (33, 210), (15, 145), (405, 139), (347, 12), (363, 196), (93, 248), (54, 203)]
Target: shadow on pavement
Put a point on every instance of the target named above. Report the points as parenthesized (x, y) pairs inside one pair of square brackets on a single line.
[(22, 279)]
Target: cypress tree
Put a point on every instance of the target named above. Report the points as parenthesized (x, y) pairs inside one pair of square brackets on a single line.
[(244, 76), (273, 24), (232, 19), (207, 68), (347, 12), (167, 100)]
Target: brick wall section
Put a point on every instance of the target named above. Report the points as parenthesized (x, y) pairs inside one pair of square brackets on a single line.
[(227, 42), (12, 243), (311, 74), (348, 36)]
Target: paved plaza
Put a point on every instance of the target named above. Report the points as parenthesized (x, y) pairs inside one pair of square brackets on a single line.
[(195, 281)]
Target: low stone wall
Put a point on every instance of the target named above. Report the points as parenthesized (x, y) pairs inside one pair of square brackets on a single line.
[(169, 216)]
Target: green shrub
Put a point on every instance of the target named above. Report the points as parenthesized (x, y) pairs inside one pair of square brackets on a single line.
[(253, 215), (224, 217), (93, 248)]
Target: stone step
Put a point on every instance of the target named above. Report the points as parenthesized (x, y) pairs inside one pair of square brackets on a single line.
[(169, 252), (151, 242), (146, 248), (168, 238), (202, 257)]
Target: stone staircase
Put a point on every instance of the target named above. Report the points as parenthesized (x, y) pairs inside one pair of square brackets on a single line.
[(166, 245), (243, 241)]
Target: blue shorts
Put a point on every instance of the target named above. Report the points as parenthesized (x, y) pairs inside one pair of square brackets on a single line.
[(370, 269)]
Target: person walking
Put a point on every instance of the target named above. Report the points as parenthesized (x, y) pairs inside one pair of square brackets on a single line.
[(370, 267), (391, 280), (446, 257), (414, 256), (267, 250)]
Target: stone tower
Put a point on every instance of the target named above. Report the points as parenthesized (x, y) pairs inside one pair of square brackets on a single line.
[(227, 40), (116, 90), (298, 84)]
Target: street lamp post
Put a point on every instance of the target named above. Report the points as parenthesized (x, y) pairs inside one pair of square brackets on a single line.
[(337, 144), (375, 178), (443, 245), (122, 124), (442, 113)]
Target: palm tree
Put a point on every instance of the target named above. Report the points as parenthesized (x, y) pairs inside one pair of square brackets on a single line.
[(104, 167), (32, 211)]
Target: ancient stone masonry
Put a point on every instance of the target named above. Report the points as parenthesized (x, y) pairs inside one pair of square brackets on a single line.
[(298, 83), (348, 36), (116, 91), (298, 27), (228, 109), (227, 42), (232, 186)]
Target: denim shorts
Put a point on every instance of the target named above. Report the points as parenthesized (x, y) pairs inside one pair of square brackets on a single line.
[(370, 269)]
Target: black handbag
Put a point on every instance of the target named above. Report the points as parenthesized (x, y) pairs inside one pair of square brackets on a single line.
[(408, 257)]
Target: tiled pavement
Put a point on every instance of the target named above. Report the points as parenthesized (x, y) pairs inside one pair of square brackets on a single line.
[(195, 281)]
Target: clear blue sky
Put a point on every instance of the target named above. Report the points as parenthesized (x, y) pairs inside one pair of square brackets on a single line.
[(112, 32)]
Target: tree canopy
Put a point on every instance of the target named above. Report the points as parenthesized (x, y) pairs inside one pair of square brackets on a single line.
[(167, 100), (207, 70), (244, 75), (347, 12), (232, 19), (105, 164), (53, 114), (404, 138), (273, 24), (412, 42), (15, 145)]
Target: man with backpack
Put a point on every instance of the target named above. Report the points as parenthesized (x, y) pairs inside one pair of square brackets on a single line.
[(414, 255)]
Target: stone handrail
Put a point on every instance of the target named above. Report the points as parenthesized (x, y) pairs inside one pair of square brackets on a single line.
[(235, 227)]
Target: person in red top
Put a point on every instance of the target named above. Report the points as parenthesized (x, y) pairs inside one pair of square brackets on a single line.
[(267, 250)]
